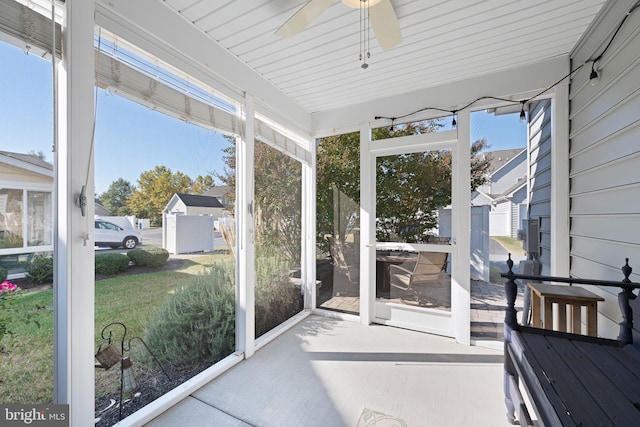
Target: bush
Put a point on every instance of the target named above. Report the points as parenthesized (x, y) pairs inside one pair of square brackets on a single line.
[(3, 274), (149, 257), (111, 263), (276, 298), (40, 269), (196, 324)]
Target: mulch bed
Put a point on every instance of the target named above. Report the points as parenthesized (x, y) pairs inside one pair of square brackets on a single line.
[(150, 388)]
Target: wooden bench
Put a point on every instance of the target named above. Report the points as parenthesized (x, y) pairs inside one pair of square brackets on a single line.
[(571, 379)]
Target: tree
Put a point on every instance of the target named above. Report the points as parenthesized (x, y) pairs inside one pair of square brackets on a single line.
[(155, 189), (39, 154), (278, 199), (201, 184), (115, 198), (409, 189)]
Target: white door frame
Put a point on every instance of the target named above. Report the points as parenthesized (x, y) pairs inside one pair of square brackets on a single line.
[(455, 323)]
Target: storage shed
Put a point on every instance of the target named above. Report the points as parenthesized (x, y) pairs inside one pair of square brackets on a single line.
[(191, 204)]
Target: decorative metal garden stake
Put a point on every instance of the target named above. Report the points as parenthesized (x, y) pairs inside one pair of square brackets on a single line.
[(109, 355)]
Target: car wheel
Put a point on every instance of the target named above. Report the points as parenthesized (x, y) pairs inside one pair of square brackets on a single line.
[(130, 242)]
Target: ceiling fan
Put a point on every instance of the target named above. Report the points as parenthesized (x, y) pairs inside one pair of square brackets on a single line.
[(383, 19)]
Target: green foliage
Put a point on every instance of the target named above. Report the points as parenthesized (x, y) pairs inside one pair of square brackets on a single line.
[(201, 184), (148, 257), (278, 198), (409, 188), (276, 298), (3, 274), (111, 263), (115, 198), (196, 324), (12, 313), (40, 268), (156, 187), (278, 201)]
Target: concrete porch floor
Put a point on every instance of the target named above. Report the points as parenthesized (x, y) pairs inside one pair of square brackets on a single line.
[(324, 371)]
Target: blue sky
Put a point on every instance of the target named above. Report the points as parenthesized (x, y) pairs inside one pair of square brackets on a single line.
[(131, 138)]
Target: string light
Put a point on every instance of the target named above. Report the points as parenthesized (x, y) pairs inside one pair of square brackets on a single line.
[(593, 78)]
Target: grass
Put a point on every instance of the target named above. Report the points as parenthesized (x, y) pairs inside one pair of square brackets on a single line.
[(512, 245), (26, 368)]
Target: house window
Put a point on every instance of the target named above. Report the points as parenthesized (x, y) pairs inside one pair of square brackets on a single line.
[(39, 229), (11, 218), (38, 219)]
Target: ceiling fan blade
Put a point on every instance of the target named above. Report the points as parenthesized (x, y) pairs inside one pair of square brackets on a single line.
[(385, 24), (303, 17)]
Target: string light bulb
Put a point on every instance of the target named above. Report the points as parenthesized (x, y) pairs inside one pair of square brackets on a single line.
[(593, 77), (454, 123), (523, 116)]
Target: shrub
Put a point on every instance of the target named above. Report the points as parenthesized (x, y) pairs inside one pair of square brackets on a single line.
[(111, 263), (3, 274), (149, 257), (40, 269), (276, 298), (196, 324)]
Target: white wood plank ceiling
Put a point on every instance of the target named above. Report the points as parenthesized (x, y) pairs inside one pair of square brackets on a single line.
[(443, 41)]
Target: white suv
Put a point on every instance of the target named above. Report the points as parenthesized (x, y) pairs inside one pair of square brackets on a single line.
[(109, 234)]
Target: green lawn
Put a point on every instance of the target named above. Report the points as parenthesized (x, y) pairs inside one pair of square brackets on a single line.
[(26, 366), (514, 246)]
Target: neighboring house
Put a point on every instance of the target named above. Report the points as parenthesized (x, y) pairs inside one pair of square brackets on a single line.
[(222, 193), (100, 209), (191, 204), (505, 191), (26, 209)]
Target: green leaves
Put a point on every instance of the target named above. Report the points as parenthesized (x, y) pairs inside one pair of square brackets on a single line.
[(157, 186)]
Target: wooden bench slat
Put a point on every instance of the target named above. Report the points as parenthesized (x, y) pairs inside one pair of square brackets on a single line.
[(615, 404), (554, 369), (615, 368), (551, 412)]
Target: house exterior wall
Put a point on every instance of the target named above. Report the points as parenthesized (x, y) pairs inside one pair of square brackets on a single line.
[(605, 156), (519, 197), (539, 146), (176, 206), (509, 175), (12, 174), (198, 210)]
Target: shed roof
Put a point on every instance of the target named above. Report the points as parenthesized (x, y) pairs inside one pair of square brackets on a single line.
[(199, 201)]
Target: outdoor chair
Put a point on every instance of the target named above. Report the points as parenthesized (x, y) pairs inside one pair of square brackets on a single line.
[(429, 269)]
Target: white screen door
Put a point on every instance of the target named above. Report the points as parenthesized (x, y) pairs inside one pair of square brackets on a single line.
[(410, 217)]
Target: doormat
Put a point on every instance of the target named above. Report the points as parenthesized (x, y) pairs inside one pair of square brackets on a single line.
[(371, 418)]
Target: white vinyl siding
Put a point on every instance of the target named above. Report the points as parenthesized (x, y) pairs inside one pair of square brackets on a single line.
[(539, 147), (605, 156), (518, 198)]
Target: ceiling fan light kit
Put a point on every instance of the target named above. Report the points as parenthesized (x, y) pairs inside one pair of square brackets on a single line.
[(382, 18)]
